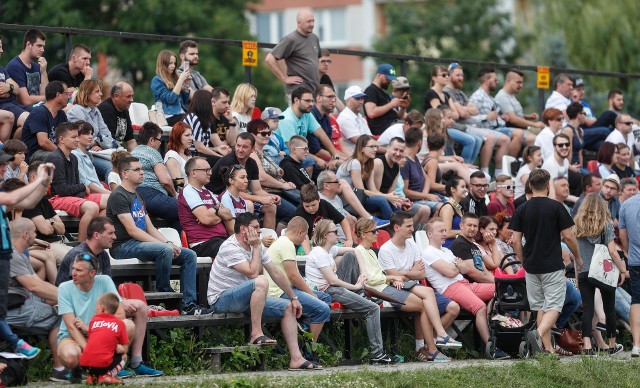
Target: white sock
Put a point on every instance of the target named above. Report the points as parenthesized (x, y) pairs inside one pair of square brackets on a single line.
[(419, 344), (485, 170), (498, 171)]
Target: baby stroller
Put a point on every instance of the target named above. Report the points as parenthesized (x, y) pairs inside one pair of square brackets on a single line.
[(508, 333)]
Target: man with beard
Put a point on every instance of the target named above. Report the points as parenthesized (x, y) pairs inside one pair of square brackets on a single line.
[(475, 201), (326, 102), (189, 57), (616, 104), (381, 110)]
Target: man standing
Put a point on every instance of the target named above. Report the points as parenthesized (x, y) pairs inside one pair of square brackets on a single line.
[(39, 131), (204, 220), (137, 237), (382, 110), (189, 57), (29, 69), (115, 113), (630, 238), (300, 51), (475, 201), (511, 107), (237, 285), (76, 70), (352, 123), (543, 222)]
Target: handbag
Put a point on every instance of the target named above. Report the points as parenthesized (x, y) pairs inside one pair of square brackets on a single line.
[(570, 340), (603, 273)]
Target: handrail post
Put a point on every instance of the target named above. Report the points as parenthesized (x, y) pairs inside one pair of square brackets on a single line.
[(403, 68), (541, 100), (247, 74), (68, 44)]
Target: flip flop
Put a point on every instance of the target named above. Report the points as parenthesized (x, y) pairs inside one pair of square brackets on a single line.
[(447, 342), (305, 366), (263, 340)]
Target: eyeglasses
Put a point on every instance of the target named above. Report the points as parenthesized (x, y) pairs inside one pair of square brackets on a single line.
[(480, 186), (333, 231), (158, 138), (374, 231), (206, 170), (610, 187), (371, 146), (331, 97), (265, 133), (562, 145), (444, 75), (134, 169), (508, 187), (306, 149), (307, 100), (327, 61), (453, 66)]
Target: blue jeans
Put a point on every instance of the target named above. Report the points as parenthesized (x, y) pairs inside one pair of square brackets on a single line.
[(162, 254), (317, 309), (285, 211), (572, 302), (594, 138), (160, 205), (237, 300), (470, 144), (623, 304), (379, 204), (103, 168)]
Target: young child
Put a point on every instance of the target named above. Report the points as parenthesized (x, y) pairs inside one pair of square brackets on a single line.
[(106, 351), (277, 148), (16, 168), (113, 180), (292, 164)]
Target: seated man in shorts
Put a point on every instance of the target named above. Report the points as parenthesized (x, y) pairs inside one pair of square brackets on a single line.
[(444, 272), (67, 193)]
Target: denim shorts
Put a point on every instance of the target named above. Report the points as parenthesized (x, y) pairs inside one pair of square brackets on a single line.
[(237, 299)]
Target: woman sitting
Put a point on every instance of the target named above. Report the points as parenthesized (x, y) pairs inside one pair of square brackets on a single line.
[(243, 104), (607, 157), (621, 164), (178, 152), (451, 211), (532, 157), (235, 178), (170, 90), (206, 139)]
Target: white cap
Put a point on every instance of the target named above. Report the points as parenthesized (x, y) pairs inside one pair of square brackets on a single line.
[(353, 92)]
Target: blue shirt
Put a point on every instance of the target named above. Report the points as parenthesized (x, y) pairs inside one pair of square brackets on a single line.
[(81, 304), (412, 171), (25, 77), (86, 169), (629, 217), (292, 125), (325, 123), (40, 120), (149, 157)]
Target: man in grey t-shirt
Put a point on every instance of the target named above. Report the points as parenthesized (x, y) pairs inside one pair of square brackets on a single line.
[(509, 104), (300, 51), (189, 57)]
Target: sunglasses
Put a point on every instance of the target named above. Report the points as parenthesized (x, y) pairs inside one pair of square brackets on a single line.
[(265, 133), (508, 187), (563, 145), (453, 66), (443, 75), (87, 258), (374, 231)]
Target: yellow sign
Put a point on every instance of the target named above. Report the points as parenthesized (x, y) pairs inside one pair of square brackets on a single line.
[(249, 53), (544, 77)]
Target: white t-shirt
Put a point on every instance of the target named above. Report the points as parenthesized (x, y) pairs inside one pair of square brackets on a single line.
[(114, 178), (344, 172), (544, 140), (438, 281), (555, 170), (243, 120), (316, 259), (392, 257), (352, 125), (558, 101), (395, 130), (171, 154), (519, 190), (616, 137)]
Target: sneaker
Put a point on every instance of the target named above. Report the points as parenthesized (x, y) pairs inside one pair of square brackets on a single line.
[(194, 309), (91, 380), (109, 380), (76, 376), (60, 376), (635, 351), (615, 350), (143, 370), (27, 350), (384, 359), (380, 223), (124, 374), (589, 353), (500, 355), (535, 342)]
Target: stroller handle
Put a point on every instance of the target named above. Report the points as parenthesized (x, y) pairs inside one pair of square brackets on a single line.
[(504, 265)]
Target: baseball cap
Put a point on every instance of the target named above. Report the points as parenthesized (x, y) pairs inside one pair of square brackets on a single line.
[(387, 70), (353, 92), (5, 157), (271, 113), (613, 178), (401, 83), (578, 83)]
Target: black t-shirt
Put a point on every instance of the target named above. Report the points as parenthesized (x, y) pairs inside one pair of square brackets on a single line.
[(467, 250), (294, 172), (64, 272), (379, 97), (607, 119), (430, 95), (119, 123), (541, 220), (60, 72), (325, 210), (470, 205), (626, 173), (44, 209), (122, 201), (388, 175), (220, 126), (521, 200), (217, 186)]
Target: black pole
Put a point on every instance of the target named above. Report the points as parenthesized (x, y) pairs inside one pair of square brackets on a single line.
[(247, 74), (68, 44)]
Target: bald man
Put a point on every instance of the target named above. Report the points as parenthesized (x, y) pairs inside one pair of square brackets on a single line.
[(509, 104), (115, 113), (300, 51)]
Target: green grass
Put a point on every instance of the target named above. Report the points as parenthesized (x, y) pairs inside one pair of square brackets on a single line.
[(599, 372)]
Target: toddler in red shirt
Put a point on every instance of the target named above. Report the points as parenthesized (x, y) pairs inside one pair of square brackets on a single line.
[(106, 351)]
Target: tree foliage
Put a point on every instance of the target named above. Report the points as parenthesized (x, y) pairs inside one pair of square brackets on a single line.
[(135, 58)]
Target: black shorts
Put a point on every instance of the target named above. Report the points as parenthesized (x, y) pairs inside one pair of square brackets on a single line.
[(99, 371), (209, 248)]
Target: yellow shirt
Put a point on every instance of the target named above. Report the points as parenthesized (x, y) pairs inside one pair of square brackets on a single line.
[(282, 249), (377, 279)]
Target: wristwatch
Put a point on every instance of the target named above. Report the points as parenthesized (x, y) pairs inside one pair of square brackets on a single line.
[(295, 298), (11, 88), (52, 221)]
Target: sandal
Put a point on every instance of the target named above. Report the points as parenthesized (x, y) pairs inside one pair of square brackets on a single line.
[(437, 357), (446, 342), (305, 366), (263, 340), (562, 352)]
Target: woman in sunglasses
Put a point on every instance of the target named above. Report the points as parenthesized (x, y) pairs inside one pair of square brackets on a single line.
[(503, 200)]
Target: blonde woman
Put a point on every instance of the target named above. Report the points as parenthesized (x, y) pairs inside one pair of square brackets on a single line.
[(242, 106), (593, 226), (169, 89)]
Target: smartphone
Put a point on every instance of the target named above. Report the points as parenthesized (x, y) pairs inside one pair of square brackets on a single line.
[(186, 65)]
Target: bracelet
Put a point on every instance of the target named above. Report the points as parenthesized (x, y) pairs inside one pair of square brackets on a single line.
[(168, 242)]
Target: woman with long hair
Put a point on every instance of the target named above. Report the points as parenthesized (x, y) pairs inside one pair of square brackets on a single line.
[(178, 152), (487, 240), (206, 140), (593, 226), (270, 173), (236, 180), (451, 211), (607, 156), (85, 108), (170, 90), (357, 170), (532, 157), (621, 164), (243, 104)]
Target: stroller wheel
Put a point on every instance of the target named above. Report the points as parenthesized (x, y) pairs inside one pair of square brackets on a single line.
[(490, 350), (523, 350)]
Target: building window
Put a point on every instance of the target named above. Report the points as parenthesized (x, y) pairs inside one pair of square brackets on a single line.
[(269, 27), (331, 26)]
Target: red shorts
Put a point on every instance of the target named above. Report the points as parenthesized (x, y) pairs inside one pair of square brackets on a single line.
[(72, 205), (470, 296)]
